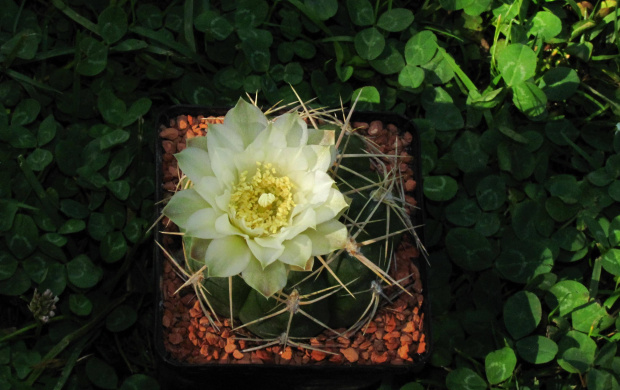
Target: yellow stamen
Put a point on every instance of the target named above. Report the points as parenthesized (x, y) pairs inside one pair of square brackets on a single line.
[(264, 201)]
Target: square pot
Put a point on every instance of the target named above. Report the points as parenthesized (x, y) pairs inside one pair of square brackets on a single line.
[(181, 374)]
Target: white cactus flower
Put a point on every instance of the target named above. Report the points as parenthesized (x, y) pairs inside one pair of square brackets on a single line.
[(262, 202)]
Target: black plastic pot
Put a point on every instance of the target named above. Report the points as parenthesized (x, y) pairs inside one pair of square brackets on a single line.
[(174, 374)]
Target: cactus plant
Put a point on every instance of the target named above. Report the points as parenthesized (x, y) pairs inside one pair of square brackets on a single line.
[(288, 230)]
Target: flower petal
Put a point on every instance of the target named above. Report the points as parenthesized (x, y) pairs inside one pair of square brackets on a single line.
[(264, 255), (272, 241), (227, 256), (182, 205), (245, 229), (297, 251), (305, 219), (321, 137), (201, 224), (288, 130), (268, 280), (312, 187), (246, 161), (304, 186), (333, 205), (246, 120), (328, 237), (307, 267), (322, 184), (209, 187), (223, 226), (195, 163), (198, 142), (288, 160), (319, 158), (223, 200), (224, 145), (222, 136)]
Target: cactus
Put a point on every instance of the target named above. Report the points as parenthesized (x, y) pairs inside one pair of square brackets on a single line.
[(340, 284)]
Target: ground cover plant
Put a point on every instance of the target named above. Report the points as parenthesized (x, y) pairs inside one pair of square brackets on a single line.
[(517, 105)]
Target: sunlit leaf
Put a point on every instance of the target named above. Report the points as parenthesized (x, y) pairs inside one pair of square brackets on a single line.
[(499, 365), (517, 63)]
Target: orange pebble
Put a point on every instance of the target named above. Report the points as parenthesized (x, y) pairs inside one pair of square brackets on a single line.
[(287, 354), (403, 351), (379, 357), (410, 327), (169, 133), (350, 354), (238, 354), (318, 355)]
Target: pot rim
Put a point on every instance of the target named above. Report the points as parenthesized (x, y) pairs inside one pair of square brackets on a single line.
[(252, 369)]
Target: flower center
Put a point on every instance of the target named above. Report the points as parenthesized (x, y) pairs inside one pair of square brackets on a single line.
[(263, 201)]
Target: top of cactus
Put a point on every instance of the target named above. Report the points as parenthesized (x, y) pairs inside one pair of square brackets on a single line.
[(260, 201)]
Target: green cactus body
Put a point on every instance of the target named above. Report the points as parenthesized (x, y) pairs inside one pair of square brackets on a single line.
[(257, 307), (346, 309)]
